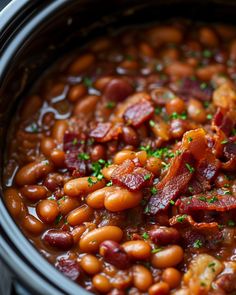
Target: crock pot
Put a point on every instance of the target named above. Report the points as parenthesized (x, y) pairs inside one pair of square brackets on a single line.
[(33, 34)]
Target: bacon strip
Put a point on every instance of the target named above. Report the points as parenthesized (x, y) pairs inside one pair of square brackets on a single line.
[(132, 177), (188, 220), (104, 132), (214, 202)]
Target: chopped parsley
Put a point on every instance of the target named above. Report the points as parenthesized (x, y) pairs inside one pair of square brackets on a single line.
[(190, 168), (212, 200), (158, 111), (203, 85), (224, 141), (227, 192), (234, 131), (175, 115), (202, 198), (147, 176), (91, 181), (153, 190), (58, 219), (145, 235), (190, 139), (172, 202), (203, 284), (231, 223), (110, 105), (87, 82), (151, 123), (211, 265), (159, 153), (110, 183), (165, 165), (45, 162), (206, 104), (83, 156), (207, 53), (75, 141), (209, 116), (156, 250), (197, 244), (181, 218)]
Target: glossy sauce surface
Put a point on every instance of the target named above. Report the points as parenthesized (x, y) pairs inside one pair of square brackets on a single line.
[(121, 167)]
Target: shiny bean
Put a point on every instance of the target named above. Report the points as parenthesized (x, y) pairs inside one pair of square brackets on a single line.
[(81, 64), (164, 34), (102, 82), (47, 210), (129, 135), (121, 199), (77, 232), (107, 171), (14, 203), (32, 172), (59, 129), (121, 156), (142, 277), (164, 235), (179, 69), (96, 198), (86, 105), (67, 204), (160, 288), (59, 239), (82, 185), (98, 152), (34, 192), (207, 72), (32, 225), (58, 158), (90, 242), (208, 37), (175, 105), (178, 128), (79, 215), (154, 165), (90, 264), (117, 90), (76, 92), (196, 111), (168, 257), (101, 283), (122, 280), (142, 157), (114, 254), (172, 277), (47, 145), (137, 250)]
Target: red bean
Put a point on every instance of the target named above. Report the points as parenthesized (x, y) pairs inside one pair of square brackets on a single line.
[(164, 235), (129, 135), (69, 268), (117, 90), (59, 239), (113, 253)]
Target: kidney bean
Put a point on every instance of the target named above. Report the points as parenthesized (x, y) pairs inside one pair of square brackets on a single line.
[(102, 82), (91, 264), (98, 152), (179, 69), (160, 288), (196, 111), (59, 239), (81, 64), (121, 156), (86, 105), (172, 277), (47, 145), (79, 215), (121, 199), (175, 105), (168, 257), (53, 181), (113, 253), (117, 90), (34, 192), (90, 242), (208, 37), (142, 277), (32, 225), (69, 268), (14, 203), (32, 172), (101, 283), (76, 92), (129, 135), (58, 130), (138, 250), (164, 235), (58, 158), (207, 72), (77, 186), (47, 210)]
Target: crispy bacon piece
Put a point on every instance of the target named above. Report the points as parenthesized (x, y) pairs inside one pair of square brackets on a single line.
[(173, 183), (132, 177), (188, 220), (104, 132), (73, 146), (223, 120), (138, 113), (189, 88), (229, 149), (209, 202)]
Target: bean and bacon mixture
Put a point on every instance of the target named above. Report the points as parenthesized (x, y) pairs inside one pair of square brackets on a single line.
[(122, 162)]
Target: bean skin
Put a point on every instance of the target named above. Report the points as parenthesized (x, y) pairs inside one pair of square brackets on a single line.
[(32, 225), (58, 158), (90, 242), (172, 277), (81, 64), (129, 135), (77, 186), (34, 192), (142, 277), (67, 204), (47, 210), (90, 264), (76, 92), (32, 172), (96, 198), (137, 250), (59, 239), (14, 203), (79, 215), (117, 90), (113, 253), (164, 235), (47, 145), (160, 288), (101, 283), (168, 257), (58, 130)]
